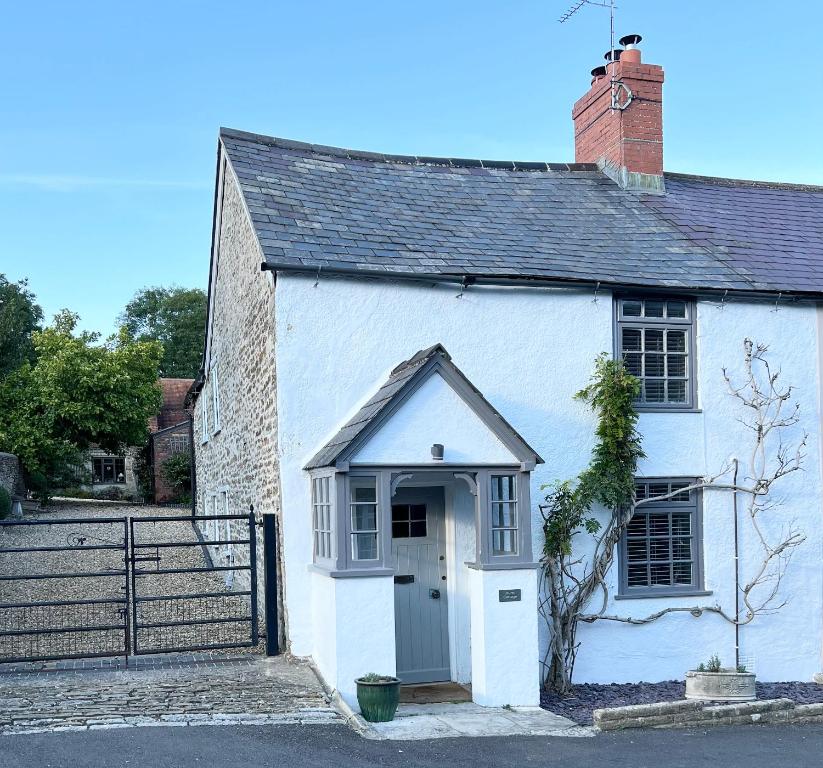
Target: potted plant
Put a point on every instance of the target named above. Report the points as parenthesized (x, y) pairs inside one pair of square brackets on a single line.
[(713, 682), (378, 697)]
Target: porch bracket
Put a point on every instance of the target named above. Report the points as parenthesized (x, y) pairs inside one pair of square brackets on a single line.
[(470, 481), (397, 480)]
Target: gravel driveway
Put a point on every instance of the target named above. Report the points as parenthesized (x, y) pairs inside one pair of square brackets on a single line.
[(109, 587)]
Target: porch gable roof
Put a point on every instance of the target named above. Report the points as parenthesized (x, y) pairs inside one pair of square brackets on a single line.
[(405, 379)]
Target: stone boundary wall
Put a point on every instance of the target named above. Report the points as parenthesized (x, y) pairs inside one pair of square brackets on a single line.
[(689, 714)]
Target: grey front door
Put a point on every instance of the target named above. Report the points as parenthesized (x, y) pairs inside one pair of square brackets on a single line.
[(421, 615)]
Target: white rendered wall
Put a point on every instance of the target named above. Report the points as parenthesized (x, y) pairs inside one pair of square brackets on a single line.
[(461, 543), (505, 652), (784, 646), (340, 340), (354, 636), (529, 351), (435, 413)]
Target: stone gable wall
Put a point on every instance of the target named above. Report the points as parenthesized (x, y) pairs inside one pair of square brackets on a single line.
[(241, 459)]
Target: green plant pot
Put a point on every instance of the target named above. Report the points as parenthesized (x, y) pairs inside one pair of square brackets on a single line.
[(378, 701)]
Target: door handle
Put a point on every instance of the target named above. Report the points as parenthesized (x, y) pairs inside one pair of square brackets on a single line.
[(434, 594)]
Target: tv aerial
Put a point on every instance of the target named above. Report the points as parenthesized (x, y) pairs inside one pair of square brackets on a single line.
[(600, 4), (613, 54)]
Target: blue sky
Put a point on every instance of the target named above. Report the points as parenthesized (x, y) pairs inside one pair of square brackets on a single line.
[(111, 110)]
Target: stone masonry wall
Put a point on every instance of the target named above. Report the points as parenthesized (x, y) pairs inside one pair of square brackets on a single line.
[(699, 714), (241, 458), (10, 476)]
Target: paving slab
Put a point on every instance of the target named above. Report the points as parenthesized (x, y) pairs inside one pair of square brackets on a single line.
[(414, 722)]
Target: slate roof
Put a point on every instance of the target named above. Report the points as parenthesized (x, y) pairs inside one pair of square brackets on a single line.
[(316, 207), (402, 378), (772, 232)]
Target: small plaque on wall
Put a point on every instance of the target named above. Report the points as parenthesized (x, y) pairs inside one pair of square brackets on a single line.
[(509, 595)]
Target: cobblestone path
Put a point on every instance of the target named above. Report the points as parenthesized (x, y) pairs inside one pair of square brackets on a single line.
[(246, 690)]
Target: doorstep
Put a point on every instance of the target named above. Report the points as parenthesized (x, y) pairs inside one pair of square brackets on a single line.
[(443, 721)]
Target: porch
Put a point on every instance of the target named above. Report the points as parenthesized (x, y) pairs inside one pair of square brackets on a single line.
[(422, 526)]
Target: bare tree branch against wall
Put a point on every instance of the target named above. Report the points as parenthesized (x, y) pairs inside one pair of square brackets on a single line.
[(574, 587)]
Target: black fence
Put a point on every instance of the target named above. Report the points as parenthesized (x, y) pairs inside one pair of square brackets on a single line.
[(91, 587), (64, 588), (193, 595)]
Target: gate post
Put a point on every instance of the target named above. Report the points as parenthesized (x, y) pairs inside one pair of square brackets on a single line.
[(270, 574)]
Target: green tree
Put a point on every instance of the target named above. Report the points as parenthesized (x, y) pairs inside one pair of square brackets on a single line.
[(176, 317), (176, 471), (20, 316), (77, 393)]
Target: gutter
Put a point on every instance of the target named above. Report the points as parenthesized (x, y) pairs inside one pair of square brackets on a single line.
[(502, 279)]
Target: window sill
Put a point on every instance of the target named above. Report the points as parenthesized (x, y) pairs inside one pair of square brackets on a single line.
[(351, 573), (664, 409), (652, 593), (512, 566)]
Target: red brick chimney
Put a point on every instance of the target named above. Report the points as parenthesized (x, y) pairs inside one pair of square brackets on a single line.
[(618, 124)]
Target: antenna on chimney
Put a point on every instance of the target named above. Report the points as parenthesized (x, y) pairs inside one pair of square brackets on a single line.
[(613, 54)]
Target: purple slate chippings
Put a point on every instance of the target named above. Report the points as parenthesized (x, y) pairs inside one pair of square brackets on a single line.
[(585, 698)]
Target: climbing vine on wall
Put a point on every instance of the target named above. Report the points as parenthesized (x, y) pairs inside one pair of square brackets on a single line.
[(574, 585)]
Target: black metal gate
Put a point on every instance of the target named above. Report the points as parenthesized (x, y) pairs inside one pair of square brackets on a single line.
[(64, 589), (89, 587), (193, 595)]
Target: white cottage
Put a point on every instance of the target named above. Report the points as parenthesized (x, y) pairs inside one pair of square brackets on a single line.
[(394, 344)]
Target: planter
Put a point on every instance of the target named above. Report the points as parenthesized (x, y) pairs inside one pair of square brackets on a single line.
[(378, 699), (726, 685)]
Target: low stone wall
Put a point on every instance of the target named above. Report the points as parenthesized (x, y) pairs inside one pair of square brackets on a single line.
[(688, 714)]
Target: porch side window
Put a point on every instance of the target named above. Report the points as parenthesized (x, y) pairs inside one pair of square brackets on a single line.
[(660, 553), (322, 517), (655, 340), (364, 526), (503, 502)]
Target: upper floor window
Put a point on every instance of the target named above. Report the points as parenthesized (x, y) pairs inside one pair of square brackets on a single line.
[(660, 553), (215, 400), (655, 339), (204, 416)]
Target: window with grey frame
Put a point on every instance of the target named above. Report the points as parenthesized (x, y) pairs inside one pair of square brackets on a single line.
[(661, 550), (655, 340), (322, 520), (503, 502), (364, 512)]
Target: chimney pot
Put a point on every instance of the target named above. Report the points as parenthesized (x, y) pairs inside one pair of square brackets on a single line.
[(613, 55), (630, 41), (597, 73)]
